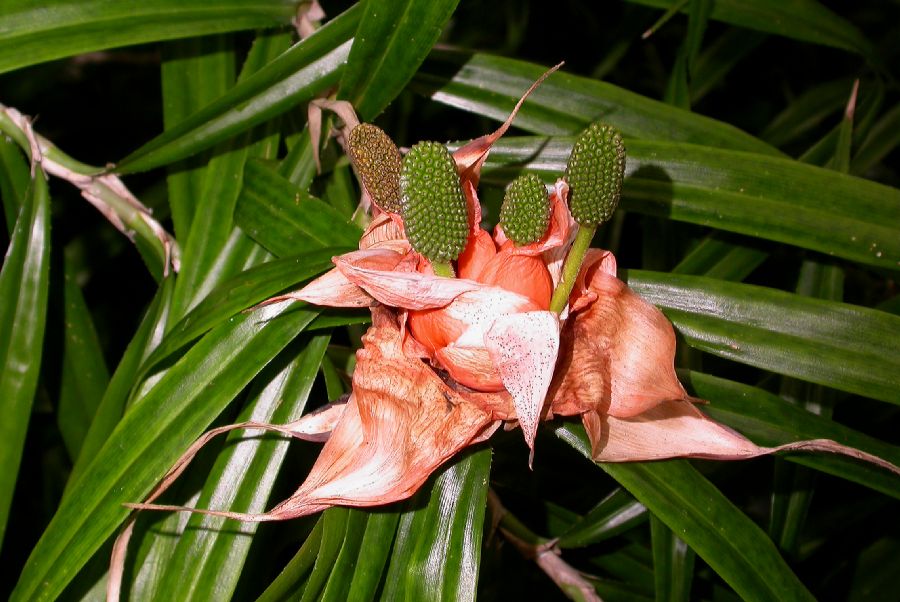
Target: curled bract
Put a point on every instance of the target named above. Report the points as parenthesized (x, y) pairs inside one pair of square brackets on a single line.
[(447, 361)]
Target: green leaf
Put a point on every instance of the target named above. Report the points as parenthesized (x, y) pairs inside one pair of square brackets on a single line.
[(287, 220), (215, 249), (14, 180), (565, 103), (881, 140), (718, 258), (299, 166), (673, 564), (338, 525), (611, 590), (194, 73), (332, 317), (85, 376), (678, 93), (794, 485), (631, 563), (35, 32), (765, 197), (338, 583), (844, 346), (376, 544), (868, 106), (805, 20), (720, 58), (24, 283), (708, 522), (437, 551), (209, 557), (841, 160), (616, 513), (295, 77), (807, 111), (112, 405), (340, 192), (290, 580), (770, 420), (334, 383), (151, 436), (238, 293), (390, 44), (876, 571)]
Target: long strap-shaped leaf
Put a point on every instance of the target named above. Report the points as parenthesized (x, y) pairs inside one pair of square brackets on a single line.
[(438, 547), (766, 197), (208, 558), (14, 180), (843, 346), (296, 76), (112, 406), (38, 32), (389, 46), (804, 20), (194, 72), (565, 103), (151, 437), (733, 545), (212, 249), (23, 313), (84, 373)]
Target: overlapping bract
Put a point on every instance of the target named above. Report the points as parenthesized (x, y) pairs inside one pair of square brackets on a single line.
[(447, 361)]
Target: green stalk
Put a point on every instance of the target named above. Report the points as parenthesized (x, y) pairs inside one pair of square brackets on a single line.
[(570, 269), (444, 269), (594, 173), (105, 191)]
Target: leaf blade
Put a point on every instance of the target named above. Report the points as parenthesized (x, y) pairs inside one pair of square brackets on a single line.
[(24, 279), (296, 76), (272, 211), (389, 46), (438, 545), (85, 376), (835, 344), (209, 557), (565, 103), (172, 414), (39, 32), (747, 193), (720, 533), (805, 20)]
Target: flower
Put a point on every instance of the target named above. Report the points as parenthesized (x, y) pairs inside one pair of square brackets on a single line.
[(447, 361)]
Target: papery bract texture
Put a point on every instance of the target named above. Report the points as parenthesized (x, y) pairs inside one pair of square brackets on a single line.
[(400, 424), (616, 353)]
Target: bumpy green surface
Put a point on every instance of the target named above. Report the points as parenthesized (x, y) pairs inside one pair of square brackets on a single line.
[(377, 161), (525, 213), (594, 172), (434, 208)]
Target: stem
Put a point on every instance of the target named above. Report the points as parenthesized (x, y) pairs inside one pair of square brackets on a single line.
[(443, 269), (543, 551), (512, 525), (12, 128), (103, 190), (571, 267)]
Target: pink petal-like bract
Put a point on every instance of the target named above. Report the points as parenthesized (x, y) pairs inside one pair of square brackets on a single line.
[(400, 424), (616, 355), (523, 347), (677, 429)]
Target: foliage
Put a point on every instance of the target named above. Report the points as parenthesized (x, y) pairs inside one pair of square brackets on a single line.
[(758, 213)]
